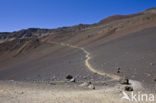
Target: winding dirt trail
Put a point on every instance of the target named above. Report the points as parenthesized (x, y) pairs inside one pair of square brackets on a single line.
[(87, 63), (91, 68)]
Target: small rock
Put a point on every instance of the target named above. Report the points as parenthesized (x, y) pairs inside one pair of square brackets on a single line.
[(105, 84), (53, 77), (72, 80), (13, 81), (118, 70), (91, 86), (124, 80), (85, 84), (52, 83), (95, 73), (22, 92), (91, 79), (84, 77), (154, 79), (69, 77), (128, 88), (151, 64)]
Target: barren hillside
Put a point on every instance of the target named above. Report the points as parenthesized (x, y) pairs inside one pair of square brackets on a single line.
[(120, 41)]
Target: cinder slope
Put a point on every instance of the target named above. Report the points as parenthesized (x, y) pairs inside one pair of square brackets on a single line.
[(119, 41)]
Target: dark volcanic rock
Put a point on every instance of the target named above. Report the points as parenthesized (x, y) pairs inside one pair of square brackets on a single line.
[(68, 77), (128, 88)]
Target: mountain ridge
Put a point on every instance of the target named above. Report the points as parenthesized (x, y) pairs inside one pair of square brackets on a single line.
[(43, 32)]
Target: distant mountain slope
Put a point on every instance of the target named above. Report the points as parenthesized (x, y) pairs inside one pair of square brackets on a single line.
[(43, 32)]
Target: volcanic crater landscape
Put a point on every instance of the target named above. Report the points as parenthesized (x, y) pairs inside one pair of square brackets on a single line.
[(35, 63)]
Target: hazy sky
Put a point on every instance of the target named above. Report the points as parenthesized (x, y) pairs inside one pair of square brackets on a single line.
[(22, 14)]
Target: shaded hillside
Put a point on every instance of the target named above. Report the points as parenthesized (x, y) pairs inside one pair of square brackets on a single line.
[(18, 46)]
